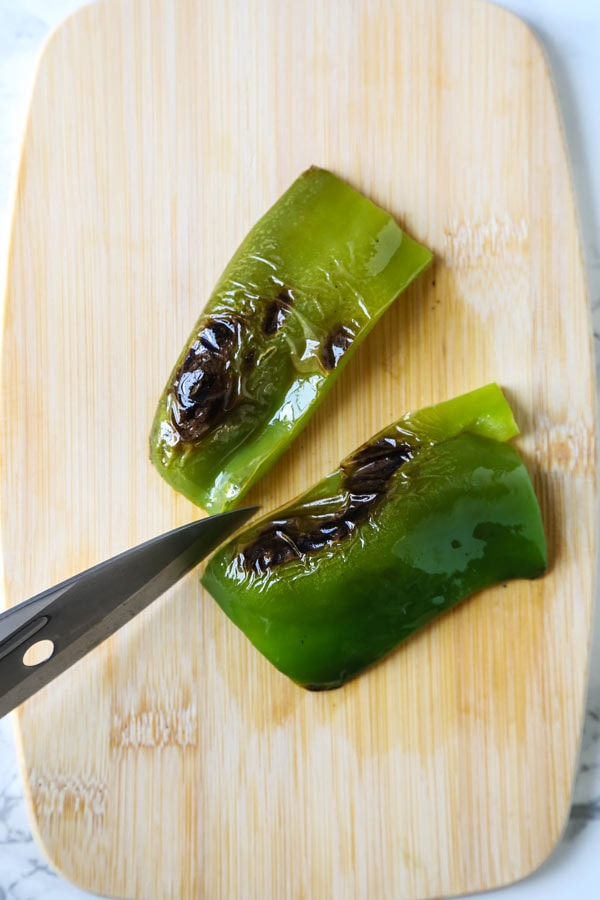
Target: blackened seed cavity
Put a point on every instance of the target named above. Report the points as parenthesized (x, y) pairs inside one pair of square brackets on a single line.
[(335, 345), (365, 477), (277, 311), (204, 386)]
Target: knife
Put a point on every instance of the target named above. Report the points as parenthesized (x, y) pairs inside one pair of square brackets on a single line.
[(76, 615)]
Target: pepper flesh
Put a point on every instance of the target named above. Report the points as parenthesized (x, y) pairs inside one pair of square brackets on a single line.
[(430, 510), (302, 291)]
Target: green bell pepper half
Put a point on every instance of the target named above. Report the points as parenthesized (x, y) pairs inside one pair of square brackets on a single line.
[(430, 510), (305, 287)]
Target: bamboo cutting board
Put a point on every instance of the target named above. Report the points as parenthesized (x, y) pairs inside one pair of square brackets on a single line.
[(174, 762)]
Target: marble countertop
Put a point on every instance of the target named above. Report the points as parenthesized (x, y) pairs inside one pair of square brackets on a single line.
[(570, 33)]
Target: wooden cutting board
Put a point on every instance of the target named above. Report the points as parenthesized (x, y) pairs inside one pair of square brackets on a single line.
[(175, 762)]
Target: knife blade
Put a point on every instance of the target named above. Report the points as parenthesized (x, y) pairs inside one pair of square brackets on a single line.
[(76, 615)]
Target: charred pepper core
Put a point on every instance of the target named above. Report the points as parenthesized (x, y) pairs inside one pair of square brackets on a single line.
[(300, 294), (432, 509)]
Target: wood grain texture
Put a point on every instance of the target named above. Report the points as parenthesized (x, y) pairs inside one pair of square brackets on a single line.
[(175, 762)]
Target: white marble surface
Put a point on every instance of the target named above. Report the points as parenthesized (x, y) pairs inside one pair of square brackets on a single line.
[(570, 31)]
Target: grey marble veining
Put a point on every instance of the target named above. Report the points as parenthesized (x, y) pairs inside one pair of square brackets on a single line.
[(586, 794), (570, 33), (24, 873)]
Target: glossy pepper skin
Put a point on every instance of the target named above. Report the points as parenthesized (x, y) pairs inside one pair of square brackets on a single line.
[(305, 287), (430, 510)]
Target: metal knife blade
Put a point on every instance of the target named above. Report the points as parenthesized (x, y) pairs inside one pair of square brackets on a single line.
[(81, 612)]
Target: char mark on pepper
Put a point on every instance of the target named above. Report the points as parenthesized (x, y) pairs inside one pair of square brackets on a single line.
[(365, 479), (277, 311), (335, 345), (205, 385), (371, 467)]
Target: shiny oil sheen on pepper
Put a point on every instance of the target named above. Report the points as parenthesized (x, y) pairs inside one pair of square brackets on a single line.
[(431, 509), (302, 291)]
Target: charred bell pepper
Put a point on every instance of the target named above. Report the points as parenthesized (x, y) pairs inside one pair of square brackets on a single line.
[(431, 509), (302, 291)]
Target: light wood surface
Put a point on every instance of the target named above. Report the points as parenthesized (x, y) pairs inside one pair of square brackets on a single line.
[(175, 762)]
